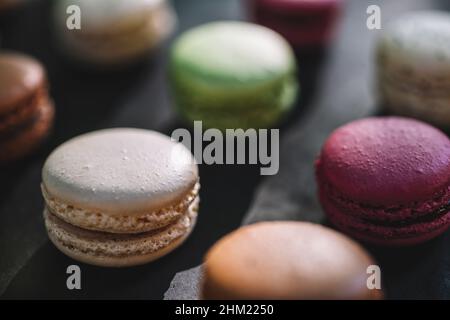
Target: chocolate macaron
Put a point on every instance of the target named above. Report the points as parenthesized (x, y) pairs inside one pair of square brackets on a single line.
[(120, 197), (287, 260), (386, 180), (26, 111)]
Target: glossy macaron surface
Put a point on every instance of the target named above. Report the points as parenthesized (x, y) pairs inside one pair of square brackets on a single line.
[(20, 77), (286, 260), (26, 110)]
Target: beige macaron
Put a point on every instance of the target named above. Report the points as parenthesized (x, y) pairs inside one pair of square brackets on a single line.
[(413, 67), (120, 197), (113, 32), (287, 260)]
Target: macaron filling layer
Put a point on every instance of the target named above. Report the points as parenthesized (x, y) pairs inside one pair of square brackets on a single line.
[(375, 232), (394, 223), (390, 214), (24, 114), (123, 223), (103, 244)]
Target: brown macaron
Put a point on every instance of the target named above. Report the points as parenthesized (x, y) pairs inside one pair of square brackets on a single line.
[(26, 111), (287, 260)]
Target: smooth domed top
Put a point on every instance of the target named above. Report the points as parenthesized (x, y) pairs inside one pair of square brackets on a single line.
[(234, 52), (386, 161), (20, 76), (120, 170), (97, 13), (286, 260), (419, 40)]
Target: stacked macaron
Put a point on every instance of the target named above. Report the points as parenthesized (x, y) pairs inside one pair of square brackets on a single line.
[(120, 197), (386, 180), (413, 64), (233, 75), (114, 32), (26, 111), (287, 260), (304, 23)]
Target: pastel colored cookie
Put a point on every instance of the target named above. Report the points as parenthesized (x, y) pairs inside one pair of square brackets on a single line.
[(233, 75), (386, 180), (114, 32), (120, 197), (26, 111), (287, 260), (304, 23), (413, 67)]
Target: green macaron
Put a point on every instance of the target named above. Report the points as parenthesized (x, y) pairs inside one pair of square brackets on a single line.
[(233, 75)]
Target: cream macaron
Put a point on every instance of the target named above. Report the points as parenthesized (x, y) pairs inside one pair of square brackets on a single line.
[(287, 260), (413, 67), (113, 32), (120, 197)]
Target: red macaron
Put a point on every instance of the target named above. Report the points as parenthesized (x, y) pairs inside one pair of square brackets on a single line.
[(304, 23), (386, 180)]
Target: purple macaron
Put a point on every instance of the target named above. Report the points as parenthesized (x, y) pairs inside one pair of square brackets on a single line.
[(386, 180)]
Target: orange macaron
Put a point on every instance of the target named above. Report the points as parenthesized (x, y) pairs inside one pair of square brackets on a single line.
[(287, 260)]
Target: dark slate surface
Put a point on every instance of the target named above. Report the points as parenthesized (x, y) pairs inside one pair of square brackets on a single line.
[(30, 267)]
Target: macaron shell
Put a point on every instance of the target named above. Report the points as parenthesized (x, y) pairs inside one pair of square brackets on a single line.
[(20, 76), (100, 13), (413, 67), (386, 161), (101, 249), (29, 138), (418, 41), (407, 233), (406, 101), (227, 52), (259, 106), (233, 74), (306, 261), (129, 224), (120, 34), (120, 171)]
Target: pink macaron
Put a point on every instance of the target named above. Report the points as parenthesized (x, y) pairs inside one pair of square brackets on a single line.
[(386, 180), (304, 23)]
